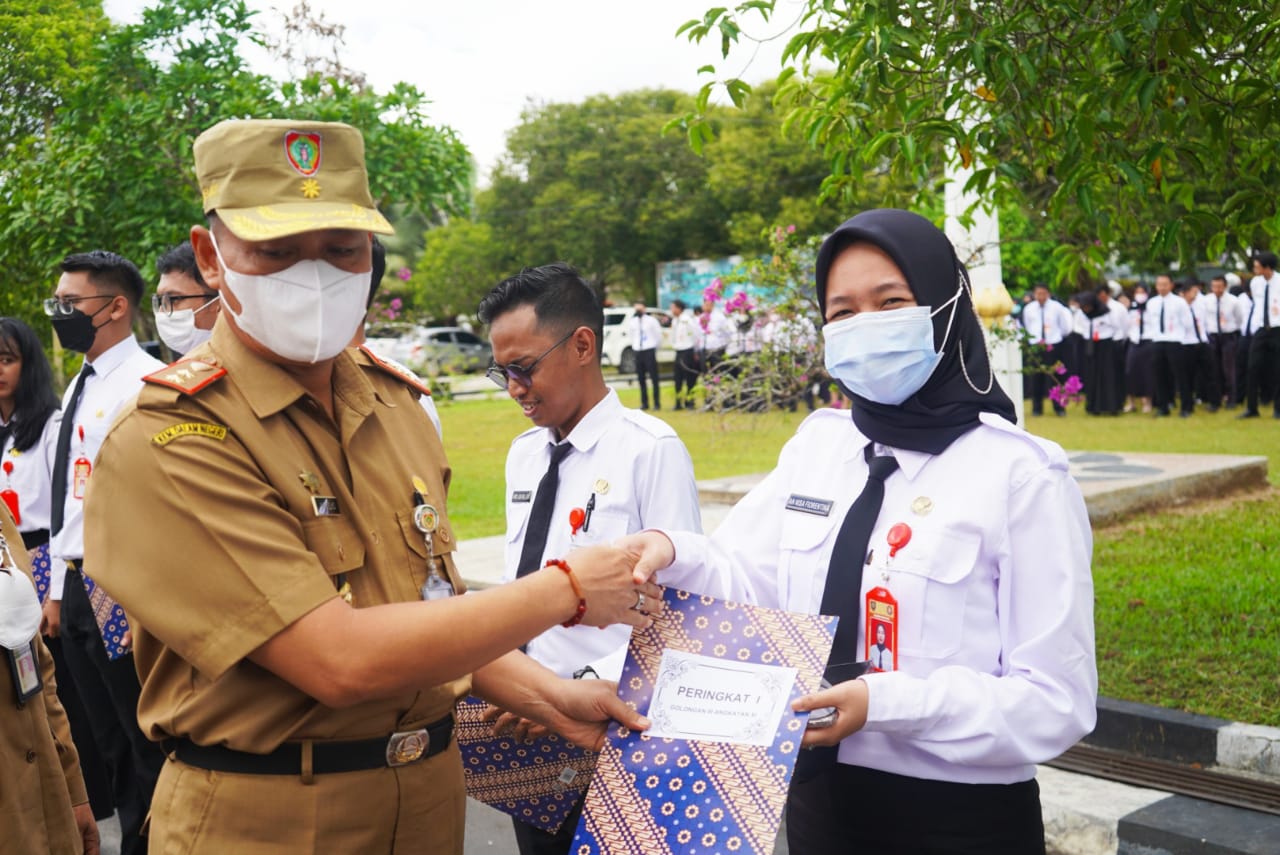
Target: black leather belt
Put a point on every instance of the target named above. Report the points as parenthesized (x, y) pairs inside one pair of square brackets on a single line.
[(32, 539), (327, 758)]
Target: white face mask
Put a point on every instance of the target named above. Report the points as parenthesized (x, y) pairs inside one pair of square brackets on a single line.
[(178, 329), (305, 313), (886, 356), (19, 604)]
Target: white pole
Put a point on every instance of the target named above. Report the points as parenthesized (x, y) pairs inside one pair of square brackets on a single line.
[(978, 246)]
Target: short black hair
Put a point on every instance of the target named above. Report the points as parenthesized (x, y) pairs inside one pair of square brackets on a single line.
[(180, 259), (378, 271), (1267, 259), (108, 269), (34, 401), (679, 304), (562, 300)]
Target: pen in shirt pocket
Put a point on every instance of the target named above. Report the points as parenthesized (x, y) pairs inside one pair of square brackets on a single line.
[(591, 506)]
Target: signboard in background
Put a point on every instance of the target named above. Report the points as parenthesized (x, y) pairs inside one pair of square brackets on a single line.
[(686, 280)]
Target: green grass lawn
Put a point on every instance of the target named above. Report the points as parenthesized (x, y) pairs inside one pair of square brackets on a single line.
[(1186, 612)]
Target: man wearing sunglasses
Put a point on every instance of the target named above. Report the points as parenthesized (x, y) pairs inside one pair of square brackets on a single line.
[(92, 312), (185, 308), (588, 471)]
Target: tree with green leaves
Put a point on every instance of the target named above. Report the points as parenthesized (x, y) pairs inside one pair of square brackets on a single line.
[(114, 168), (1116, 120)]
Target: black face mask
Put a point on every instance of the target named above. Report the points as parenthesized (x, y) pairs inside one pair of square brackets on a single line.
[(76, 330)]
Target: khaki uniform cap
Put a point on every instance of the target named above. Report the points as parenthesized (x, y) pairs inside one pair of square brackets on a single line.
[(269, 178)]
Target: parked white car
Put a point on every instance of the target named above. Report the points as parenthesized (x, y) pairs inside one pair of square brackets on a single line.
[(616, 349)]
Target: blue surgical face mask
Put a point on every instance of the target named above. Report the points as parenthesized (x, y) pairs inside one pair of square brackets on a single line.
[(886, 356)]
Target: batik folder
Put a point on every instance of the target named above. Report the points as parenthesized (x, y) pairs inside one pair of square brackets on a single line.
[(538, 781), (660, 795)]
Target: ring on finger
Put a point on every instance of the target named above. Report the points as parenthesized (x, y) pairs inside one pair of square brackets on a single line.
[(639, 606)]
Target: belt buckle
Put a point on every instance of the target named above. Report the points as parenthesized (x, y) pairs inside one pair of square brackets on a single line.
[(407, 746)]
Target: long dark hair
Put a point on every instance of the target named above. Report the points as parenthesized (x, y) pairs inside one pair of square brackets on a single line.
[(35, 400)]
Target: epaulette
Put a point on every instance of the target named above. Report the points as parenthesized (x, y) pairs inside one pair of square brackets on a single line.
[(188, 375), (395, 369)]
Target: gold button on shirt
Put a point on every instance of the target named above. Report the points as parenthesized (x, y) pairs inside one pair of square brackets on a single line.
[(213, 544)]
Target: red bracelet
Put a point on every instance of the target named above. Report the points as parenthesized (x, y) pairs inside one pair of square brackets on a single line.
[(573, 581)]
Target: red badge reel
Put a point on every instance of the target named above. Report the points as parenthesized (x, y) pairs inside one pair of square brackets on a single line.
[(882, 612), (577, 517), (80, 469), (9, 495)]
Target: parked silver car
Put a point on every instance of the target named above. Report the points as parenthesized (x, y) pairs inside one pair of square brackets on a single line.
[(432, 350)]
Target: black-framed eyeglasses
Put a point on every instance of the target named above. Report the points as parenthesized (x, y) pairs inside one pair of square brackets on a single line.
[(55, 307), (167, 303), (503, 374)]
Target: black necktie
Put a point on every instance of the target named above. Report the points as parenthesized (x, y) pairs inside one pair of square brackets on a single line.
[(1161, 314), (1218, 303), (1266, 305), (843, 593), (63, 451), (544, 502)]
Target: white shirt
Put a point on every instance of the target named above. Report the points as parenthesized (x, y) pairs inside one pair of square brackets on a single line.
[(1194, 332), (1246, 306), (646, 332), (684, 331), (116, 380), (641, 476), (32, 477), (1266, 301), (719, 329), (1168, 318), (995, 638), (1221, 314), (1139, 324), (1119, 319), (1048, 323)]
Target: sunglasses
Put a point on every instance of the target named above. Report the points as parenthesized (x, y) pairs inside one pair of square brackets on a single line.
[(501, 375)]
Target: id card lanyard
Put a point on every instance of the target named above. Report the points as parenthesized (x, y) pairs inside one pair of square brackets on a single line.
[(426, 519), (882, 609), (23, 665), (81, 469), (9, 494)]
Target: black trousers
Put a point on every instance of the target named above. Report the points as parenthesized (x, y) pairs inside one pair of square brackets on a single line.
[(686, 375), (535, 841), (850, 810), (1264, 368), (647, 364), (96, 782), (1039, 388), (1222, 383), (1173, 376), (109, 692), (1242, 368)]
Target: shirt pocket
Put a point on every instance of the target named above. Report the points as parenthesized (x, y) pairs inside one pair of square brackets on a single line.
[(335, 541), (932, 587), (605, 526), (804, 558)]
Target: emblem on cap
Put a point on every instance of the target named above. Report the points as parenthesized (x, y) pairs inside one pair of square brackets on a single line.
[(302, 149)]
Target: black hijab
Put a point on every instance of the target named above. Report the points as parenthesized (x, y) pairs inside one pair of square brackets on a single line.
[(947, 406)]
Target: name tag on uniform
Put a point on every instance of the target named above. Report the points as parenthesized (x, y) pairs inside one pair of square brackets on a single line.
[(521, 495), (325, 506), (809, 505)]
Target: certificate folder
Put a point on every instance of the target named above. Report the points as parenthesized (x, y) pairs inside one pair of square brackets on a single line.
[(728, 673), (538, 781)]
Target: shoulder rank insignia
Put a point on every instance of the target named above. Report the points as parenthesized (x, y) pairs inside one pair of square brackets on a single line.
[(189, 375), (395, 369)]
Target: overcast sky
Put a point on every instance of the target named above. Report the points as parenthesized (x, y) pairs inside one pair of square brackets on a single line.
[(479, 61)]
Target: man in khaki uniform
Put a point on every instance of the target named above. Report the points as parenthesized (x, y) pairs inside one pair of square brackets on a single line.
[(298, 628), (43, 804)]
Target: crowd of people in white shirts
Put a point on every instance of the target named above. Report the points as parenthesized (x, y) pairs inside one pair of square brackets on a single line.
[(1149, 350)]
